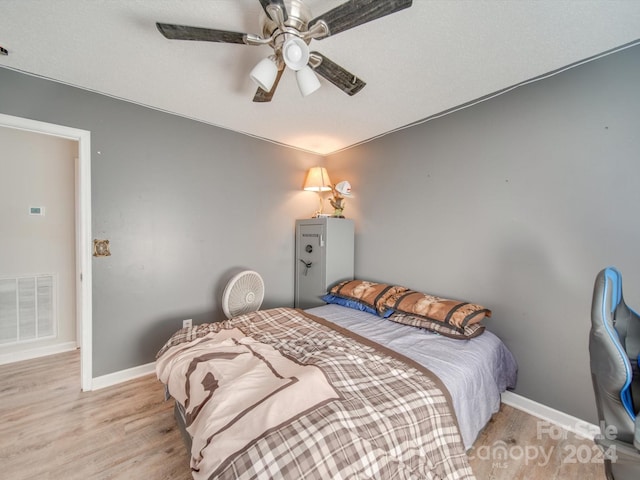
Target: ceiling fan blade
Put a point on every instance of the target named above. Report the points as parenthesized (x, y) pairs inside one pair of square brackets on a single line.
[(279, 3), (262, 96), (356, 12), (341, 78), (183, 32)]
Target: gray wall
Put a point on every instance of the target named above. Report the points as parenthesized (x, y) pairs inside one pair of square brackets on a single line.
[(515, 203), (185, 205)]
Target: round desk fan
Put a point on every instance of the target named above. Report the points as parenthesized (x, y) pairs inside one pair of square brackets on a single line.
[(243, 294)]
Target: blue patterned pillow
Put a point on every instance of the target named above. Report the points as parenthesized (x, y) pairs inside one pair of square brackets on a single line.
[(356, 305), (345, 302)]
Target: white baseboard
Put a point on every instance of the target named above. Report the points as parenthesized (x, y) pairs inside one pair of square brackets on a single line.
[(548, 414), (37, 352), (551, 415), (122, 376)]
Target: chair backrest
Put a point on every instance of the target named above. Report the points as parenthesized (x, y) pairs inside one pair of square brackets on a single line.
[(614, 345)]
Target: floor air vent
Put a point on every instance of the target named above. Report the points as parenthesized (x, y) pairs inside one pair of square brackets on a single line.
[(27, 308)]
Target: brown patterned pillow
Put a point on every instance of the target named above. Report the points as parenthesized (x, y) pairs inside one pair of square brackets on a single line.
[(451, 312), (469, 331), (453, 318), (371, 294)]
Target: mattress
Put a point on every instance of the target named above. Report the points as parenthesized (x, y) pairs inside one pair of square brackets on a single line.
[(475, 371)]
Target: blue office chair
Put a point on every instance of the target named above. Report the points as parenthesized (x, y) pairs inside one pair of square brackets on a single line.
[(614, 346)]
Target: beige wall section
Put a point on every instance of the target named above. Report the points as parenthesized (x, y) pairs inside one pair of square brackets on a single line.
[(39, 170)]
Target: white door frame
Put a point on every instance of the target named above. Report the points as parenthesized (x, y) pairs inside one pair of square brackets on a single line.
[(83, 232)]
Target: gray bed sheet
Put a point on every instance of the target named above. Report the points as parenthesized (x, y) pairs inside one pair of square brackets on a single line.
[(475, 371)]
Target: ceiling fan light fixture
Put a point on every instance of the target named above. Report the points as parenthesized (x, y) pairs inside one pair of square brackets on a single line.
[(265, 73), (295, 53), (288, 27), (307, 81)]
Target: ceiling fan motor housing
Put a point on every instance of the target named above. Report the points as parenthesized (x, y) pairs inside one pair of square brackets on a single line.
[(298, 17)]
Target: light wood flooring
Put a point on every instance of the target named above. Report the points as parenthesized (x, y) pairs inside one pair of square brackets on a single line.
[(49, 429), (518, 446)]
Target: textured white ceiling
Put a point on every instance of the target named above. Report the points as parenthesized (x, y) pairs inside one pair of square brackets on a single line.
[(419, 62)]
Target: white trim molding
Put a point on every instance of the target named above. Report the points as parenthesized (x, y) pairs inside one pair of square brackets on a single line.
[(37, 352), (560, 419), (568, 422), (84, 292), (123, 376)]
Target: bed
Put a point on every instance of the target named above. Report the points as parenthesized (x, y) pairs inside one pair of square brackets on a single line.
[(389, 401), (371, 398)]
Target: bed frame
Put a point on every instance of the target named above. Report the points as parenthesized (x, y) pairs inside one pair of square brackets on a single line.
[(178, 412)]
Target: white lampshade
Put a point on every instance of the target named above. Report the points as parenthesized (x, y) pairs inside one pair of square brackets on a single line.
[(317, 180), (295, 53), (307, 81), (265, 73)]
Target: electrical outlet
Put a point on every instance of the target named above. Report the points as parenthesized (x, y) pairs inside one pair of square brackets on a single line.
[(186, 323)]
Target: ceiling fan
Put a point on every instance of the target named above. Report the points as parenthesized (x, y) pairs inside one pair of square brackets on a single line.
[(288, 27)]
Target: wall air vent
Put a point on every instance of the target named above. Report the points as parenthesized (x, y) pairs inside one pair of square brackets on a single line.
[(27, 308)]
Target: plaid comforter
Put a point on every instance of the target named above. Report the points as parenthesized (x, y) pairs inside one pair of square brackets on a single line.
[(393, 419)]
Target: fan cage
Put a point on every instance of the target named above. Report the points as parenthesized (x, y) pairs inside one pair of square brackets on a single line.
[(243, 294)]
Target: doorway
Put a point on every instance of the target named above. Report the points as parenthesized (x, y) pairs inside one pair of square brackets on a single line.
[(82, 231)]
